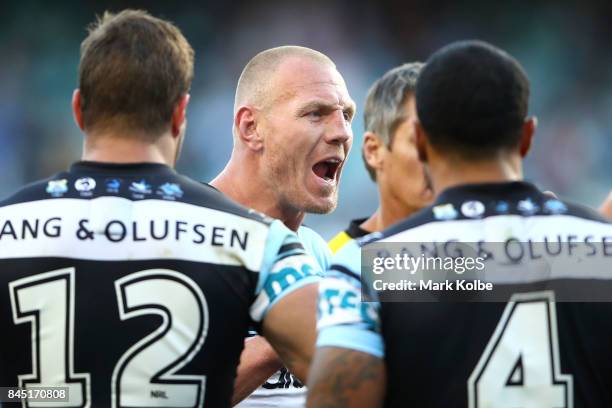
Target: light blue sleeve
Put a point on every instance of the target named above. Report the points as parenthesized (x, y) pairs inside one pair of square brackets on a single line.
[(285, 268), (343, 319), (315, 246)]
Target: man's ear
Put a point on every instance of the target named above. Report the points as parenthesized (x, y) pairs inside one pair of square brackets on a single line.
[(76, 109), (180, 115), (373, 149), (421, 141), (528, 131), (245, 125)]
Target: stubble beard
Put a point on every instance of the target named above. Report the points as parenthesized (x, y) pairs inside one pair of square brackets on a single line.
[(291, 193), (326, 208)]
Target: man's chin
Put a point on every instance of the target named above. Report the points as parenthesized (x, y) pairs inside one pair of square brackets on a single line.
[(321, 206)]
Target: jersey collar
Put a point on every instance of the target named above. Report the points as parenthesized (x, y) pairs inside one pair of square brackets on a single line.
[(126, 169), (505, 190)]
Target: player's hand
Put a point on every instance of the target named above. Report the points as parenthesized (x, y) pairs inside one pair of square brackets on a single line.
[(258, 362)]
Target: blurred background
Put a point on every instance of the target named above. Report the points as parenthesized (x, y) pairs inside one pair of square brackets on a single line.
[(565, 49)]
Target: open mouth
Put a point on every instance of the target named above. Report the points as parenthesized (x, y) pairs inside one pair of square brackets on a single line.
[(327, 169)]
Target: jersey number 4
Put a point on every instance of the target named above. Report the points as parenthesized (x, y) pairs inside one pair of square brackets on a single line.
[(520, 366), (145, 375)]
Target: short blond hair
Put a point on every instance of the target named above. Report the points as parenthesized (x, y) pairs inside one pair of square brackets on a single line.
[(254, 83)]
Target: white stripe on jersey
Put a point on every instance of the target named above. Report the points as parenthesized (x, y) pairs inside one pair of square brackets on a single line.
[(496, 230), (193, 233), (499, 228)]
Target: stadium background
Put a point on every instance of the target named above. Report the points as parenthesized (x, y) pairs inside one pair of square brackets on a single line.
[(566, 50)]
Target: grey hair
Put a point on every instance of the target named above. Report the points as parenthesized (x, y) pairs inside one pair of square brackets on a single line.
[(384, 104)]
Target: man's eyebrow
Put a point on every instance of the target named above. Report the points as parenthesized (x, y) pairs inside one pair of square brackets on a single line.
[(321, 104), (318, 103)]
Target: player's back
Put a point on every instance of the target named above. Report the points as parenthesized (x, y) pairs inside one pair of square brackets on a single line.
[(129, 284), (529, 352)]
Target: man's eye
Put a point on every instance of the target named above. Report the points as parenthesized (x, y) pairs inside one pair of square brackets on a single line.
[(315, 114), (347, 116)]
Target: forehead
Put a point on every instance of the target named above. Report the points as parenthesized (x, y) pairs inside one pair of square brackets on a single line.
[(300, 80), (404, 121)]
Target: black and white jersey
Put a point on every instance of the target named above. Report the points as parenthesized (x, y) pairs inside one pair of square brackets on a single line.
[(545, 345), (133, 286)]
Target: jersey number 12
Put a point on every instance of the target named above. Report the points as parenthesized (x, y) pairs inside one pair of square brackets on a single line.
[(145, 375)]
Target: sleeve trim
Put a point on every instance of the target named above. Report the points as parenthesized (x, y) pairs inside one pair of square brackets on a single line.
[(354, 338)]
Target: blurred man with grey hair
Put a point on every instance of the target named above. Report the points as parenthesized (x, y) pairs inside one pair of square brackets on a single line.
[(389, 153)]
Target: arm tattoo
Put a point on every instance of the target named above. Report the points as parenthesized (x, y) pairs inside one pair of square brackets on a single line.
[(345, 373)]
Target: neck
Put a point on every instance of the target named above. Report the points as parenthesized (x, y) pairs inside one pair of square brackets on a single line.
[(113, 148), (240, 181), (390, 212), (374, 223), (450, 173)]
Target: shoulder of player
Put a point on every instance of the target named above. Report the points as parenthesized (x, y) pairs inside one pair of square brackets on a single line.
[(584, 212), (422, 217), (353, 231), (347, 260), (308, 234), (338, 241), (315, 245), (31, 192), (195, 193), (427, 217), (204, 195)]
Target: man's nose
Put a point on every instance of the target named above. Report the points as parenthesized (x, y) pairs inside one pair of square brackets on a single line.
[(340, 130)]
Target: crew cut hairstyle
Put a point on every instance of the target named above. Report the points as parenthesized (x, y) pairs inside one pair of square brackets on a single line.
[(384, 107), (134, 68), (472, 99)]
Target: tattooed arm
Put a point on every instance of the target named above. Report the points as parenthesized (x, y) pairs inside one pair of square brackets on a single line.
[(348, 369), (346, 378)]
